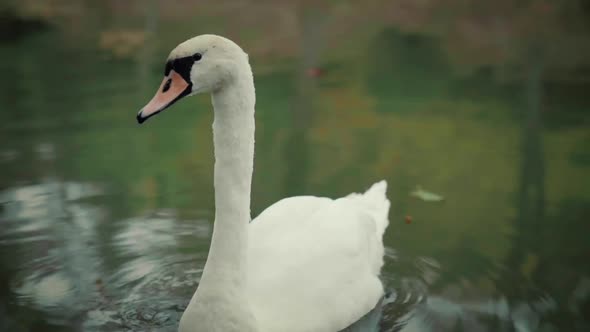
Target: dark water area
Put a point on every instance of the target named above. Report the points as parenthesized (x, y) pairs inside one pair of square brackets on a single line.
[(105, 226)]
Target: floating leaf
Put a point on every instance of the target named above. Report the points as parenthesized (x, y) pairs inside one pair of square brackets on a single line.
[(408, 219), (426, 195)]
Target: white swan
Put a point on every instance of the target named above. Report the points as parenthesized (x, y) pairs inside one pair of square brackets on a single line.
[(306, 263)]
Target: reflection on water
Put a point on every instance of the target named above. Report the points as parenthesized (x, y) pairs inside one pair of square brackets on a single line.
[(61, 270), (53, 229), (106, 226)]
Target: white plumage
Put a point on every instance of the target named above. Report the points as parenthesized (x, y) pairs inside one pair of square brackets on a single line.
[(305, 264), (314, 262)]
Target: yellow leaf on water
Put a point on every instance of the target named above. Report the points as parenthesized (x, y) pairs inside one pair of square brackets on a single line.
[(426, 195)]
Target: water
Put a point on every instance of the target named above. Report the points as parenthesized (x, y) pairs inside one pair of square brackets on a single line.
[(106, 225)]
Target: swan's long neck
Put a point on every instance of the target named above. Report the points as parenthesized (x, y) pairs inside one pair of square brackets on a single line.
[(233, 135)]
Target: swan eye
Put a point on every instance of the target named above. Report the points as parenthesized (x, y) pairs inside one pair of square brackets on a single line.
[(168, 68), (197, 56)]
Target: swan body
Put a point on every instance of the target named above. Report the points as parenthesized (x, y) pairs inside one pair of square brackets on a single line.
[(305, 263), (309, 256)]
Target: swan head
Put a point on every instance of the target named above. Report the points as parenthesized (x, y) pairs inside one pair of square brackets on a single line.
[(202, 64)]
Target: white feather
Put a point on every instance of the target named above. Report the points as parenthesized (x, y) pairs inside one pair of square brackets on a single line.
[(313, 263)]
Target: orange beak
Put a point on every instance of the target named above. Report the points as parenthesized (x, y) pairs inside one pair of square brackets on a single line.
[(173, 88)]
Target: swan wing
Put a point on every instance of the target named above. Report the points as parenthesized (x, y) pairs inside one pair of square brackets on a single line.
[(314, 263)]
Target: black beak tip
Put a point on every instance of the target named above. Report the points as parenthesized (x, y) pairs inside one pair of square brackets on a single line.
[(140, 119)]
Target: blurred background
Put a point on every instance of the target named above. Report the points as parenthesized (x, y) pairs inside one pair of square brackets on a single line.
[(476, 112)]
